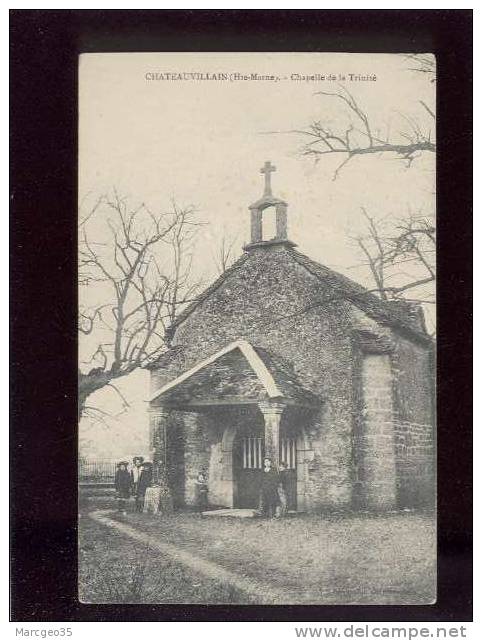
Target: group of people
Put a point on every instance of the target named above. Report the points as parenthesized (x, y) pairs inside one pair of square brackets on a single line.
[(273, 496), (133, 482), (273, 501)]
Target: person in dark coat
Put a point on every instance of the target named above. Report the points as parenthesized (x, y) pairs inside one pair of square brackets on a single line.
[(145, 481), (269, 489), (122, 486), (201, 492)]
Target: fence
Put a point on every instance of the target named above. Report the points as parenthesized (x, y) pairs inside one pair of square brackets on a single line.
[(97, 471)]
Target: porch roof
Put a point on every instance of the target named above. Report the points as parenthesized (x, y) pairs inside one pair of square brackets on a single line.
[(237, 373)]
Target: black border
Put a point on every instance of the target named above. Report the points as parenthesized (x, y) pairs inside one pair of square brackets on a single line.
[(44, 47)]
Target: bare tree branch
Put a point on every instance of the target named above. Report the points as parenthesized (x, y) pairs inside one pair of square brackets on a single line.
[(359, 137), (388, 245), (224, 255), (423, 63), (141, 275)]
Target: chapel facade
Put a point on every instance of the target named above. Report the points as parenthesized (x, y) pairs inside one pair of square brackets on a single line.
[(283, 357)]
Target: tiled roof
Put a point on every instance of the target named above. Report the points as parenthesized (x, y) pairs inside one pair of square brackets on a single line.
[(396, 313), (275, 374), (208, 291), (285, 377)]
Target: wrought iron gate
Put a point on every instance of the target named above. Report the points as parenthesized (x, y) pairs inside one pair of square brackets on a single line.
[(248, 457)]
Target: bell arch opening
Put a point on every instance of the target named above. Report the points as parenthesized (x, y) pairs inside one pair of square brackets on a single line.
[(269, 224)]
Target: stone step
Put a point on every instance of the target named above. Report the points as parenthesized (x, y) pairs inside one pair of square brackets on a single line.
[(236, 513)]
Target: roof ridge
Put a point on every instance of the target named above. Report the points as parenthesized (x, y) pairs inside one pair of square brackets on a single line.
[(351, 290), (208, 291), (253, 358), (330, 270), (360, 294)]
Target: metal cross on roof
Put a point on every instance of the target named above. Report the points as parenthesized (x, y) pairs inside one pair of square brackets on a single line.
[(267, 170)]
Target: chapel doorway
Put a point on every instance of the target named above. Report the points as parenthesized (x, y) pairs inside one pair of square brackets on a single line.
[(248, 455)]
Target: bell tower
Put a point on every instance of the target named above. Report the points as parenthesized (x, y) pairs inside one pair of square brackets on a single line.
[(281, 208)]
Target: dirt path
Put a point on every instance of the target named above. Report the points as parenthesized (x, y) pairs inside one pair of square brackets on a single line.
[(260, 592)]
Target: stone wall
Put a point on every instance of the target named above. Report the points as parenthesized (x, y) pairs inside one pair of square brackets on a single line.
[(208, 441), (198, 438), (376, 445), (176, 456), (412, 381), (305, 323), (414, 423), (345, 455)]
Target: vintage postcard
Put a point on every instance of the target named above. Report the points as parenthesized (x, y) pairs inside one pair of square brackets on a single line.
[(257, 328)]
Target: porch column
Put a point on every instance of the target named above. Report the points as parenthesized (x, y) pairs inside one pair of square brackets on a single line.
[(272, 412), (158, 435)]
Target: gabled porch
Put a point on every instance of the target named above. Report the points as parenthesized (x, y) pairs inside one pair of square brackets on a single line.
[(224, 415)]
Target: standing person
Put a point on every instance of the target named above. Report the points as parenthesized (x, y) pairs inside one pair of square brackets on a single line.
[(201, 492), (144, 481), (122, 486), (283, 489), (269, 489), (135, 471)]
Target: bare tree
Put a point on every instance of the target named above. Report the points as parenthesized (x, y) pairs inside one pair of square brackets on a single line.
[(134, 274), (399, 253), (224, 257), (356, 135), (422, 63), (400, 256)]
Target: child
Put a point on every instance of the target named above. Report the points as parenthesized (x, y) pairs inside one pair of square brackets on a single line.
[(201, 492)]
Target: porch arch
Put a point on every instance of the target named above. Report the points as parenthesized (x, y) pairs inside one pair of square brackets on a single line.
[(228, 482), (228, 489)]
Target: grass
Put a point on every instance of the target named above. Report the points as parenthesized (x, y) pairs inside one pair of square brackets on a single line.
[(336, 558), (115, 569)]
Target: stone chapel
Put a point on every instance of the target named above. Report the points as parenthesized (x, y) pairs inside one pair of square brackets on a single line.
[(283, 357)]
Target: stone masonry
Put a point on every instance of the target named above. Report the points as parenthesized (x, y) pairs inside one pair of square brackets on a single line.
[(367, 440), (377, 444)]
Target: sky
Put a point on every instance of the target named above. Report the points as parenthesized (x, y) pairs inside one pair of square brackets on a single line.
[(202, 142)]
